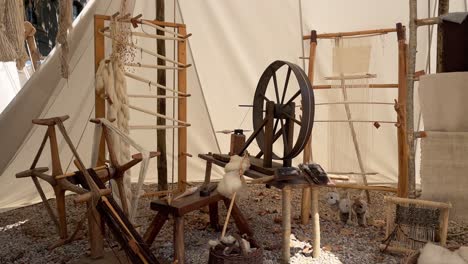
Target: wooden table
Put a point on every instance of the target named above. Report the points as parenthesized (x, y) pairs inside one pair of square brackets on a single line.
[(285, 187)]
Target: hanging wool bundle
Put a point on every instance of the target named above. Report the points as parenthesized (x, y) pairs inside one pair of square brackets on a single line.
[(13, 24), (7, 52), (111, 84), (65, 23)]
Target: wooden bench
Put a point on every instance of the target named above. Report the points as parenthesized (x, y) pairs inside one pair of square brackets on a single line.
[(186, 205)]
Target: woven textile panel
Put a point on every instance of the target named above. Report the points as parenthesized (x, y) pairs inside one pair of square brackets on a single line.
[(444, 170)]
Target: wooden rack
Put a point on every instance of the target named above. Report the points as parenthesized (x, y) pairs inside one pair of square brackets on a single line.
[(180, 36)]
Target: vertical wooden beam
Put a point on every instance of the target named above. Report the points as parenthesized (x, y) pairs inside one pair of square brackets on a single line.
[(286, 213), (161, 106), (316, 222), (400, 108), (100, 104), (444, 221), (411, 65), (59, 192), (182, 111), (443, 9), (96, 239), (307, 155)]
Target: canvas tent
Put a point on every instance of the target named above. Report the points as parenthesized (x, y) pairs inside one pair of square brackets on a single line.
[(232, 43)]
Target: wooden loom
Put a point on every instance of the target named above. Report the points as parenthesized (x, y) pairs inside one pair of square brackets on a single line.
[(400, 108), (181, 38), (179, 35)]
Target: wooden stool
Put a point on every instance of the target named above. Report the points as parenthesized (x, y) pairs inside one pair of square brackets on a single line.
[(186, 205)]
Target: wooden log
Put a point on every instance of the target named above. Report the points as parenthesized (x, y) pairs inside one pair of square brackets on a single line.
[(182, 112), (315, 222), (286, 214), (353, 33)]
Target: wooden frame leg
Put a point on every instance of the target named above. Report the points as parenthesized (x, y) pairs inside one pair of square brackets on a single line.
[(61, 212), (179, 248), (286, 213), (96, 239), (214, 216), (305, 206), (316, 222), (239, 218), (155, 226)]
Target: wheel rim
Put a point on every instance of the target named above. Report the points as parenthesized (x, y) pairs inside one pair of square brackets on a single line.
[(306, 95)]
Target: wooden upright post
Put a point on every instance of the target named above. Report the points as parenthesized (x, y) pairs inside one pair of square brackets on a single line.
[(307, 155), (161, 105), (182, 111), (96, 239), (400, 108)]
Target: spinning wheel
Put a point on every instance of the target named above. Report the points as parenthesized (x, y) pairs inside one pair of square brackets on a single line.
[(275, 117)]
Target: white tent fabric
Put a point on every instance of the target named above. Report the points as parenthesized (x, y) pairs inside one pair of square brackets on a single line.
[(232, 43)]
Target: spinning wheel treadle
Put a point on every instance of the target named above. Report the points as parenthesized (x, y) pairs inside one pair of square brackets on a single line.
[(276, 118)]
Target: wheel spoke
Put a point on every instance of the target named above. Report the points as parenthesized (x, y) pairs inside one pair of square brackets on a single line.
[(294, 97), (275, 82), (293, 119), (286, 84)]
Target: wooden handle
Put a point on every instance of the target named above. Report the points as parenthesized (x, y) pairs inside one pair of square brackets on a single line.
[(233, 198)]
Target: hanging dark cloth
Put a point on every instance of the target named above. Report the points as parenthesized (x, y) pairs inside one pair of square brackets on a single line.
[(455, 42)]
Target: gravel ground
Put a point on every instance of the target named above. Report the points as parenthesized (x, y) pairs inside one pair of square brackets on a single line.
[(26, 233)]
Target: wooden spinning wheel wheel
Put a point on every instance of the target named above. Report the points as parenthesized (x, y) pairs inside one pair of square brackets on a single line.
[(275, 116)]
